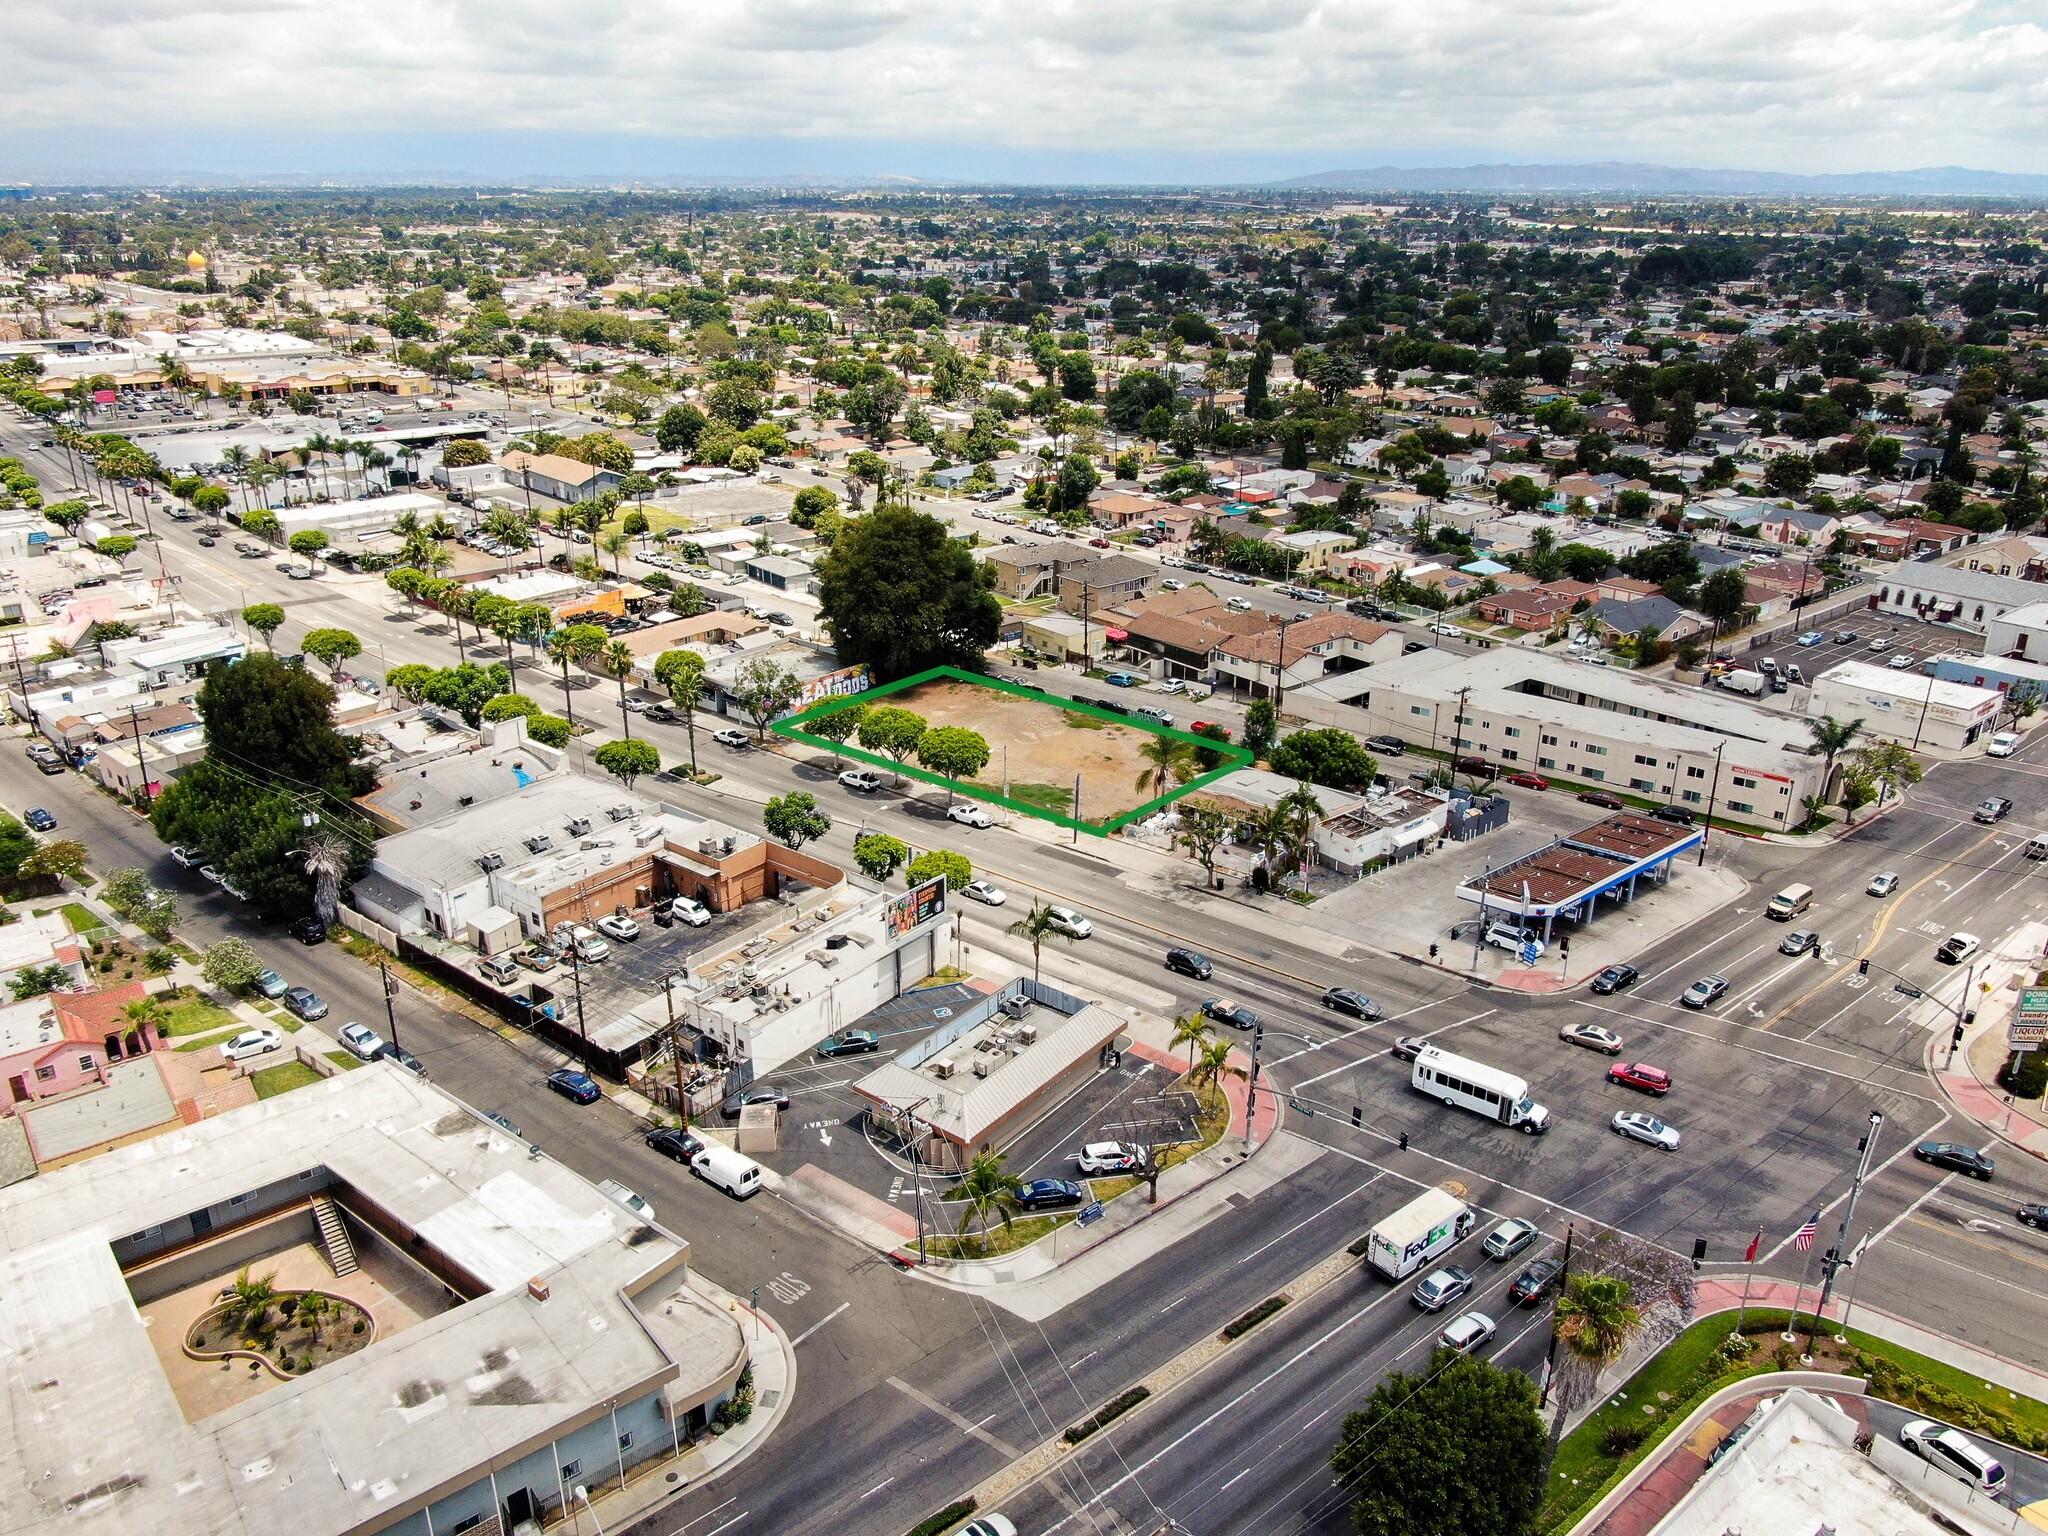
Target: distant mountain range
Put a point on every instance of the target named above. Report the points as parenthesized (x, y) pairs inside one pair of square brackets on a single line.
[(1623, 178)]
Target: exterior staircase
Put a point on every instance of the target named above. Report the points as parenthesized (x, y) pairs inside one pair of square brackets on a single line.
[(341, 1253)]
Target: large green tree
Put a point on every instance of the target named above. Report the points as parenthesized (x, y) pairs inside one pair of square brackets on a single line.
[(1325, 756), (1455, 1449), (953, 750), (899, 594), (795, 819)]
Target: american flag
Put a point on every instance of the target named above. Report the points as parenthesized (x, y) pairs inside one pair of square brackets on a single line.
[(1802, 1240)]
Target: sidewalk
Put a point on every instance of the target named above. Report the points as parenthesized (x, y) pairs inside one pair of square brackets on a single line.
[(659, 1479), (1968, 1075)]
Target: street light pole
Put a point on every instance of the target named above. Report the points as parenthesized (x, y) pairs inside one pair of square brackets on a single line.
[(1831, 1265), (1713, 794)]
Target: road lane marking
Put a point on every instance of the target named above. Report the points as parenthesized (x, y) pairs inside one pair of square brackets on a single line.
[(1241, 1475), (959, 1421), (821, 1322), (885, 1482), (1473, 1019)]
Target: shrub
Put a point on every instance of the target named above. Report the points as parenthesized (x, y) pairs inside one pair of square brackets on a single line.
[(1786, 1356), (1244, 1325), (1108, 1413), (944, 1520), (1623, 1436), (1357, 1249)]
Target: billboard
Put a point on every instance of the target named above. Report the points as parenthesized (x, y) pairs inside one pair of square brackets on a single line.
[(2029, 1026), (919, 904)]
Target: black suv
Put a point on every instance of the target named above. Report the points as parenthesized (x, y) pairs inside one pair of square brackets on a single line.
[(1539, 1277), (1189, 963)]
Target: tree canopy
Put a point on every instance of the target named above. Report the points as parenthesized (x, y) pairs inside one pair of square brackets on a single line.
[(899, 594)]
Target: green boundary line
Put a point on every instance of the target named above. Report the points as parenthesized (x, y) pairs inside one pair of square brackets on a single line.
[(1235, 756)]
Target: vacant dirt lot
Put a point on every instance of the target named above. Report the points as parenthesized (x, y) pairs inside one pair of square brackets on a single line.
[(1046, 746)]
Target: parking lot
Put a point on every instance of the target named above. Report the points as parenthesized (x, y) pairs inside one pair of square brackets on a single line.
[(1914, 638)]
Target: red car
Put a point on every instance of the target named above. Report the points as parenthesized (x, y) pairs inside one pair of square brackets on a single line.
[(1529, 780), (1636, 1074), (1601, 797), (1098, 543)]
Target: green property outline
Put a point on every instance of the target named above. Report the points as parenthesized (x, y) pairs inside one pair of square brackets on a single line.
[(1235, 756)]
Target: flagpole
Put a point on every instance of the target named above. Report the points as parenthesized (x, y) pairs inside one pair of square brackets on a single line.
[(1748, 1273), (1791, 1333)]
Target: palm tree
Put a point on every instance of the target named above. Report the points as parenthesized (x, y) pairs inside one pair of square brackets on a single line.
[(1193, 1031), (618, 660), (1168, 762), (1595, 1321), (237, 459), (318, 446), (1211, 1065), (248, 1302), (1037, 925), (988, 1191), (1831, 737), (614, 544), (315, 1307), (563, 648), (327, 862)]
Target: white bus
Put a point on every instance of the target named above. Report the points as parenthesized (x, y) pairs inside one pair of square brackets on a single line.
[(1462, 1083)]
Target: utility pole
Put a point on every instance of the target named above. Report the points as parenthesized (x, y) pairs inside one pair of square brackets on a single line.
[(141, 767), (1831, 1265), (390, 1000), (1280, 672), (1713, 794), (1457, 735), (1251, 1086), (1550, 1358), (675, 1045)]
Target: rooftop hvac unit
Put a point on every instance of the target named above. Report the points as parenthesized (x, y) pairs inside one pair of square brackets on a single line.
[(1016, 1006), (1027, 1034), (620, 813), (943, 1067), (981, 1067), (491, 861), (579, 826), (730, 844), (539, 844), (708, 846)]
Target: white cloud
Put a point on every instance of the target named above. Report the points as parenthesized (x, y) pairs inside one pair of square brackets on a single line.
[(1801, 85)]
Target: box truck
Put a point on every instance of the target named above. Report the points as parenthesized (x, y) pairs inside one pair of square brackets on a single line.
[(1431, 1223)]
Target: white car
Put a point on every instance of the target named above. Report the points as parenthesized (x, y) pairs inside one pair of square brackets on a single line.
[(1955, 1453), (983, 892), (252, 1042), (1170, 584), (616, 927), (361, 1041), (730, 737), (213, 874), (1637, 1126), (685, 910), (590, 949), (1174, 685), (861, 779), (1466, 1332), (187, 858), (2004, 744), (970, 815), (1069, 922), (1106, 1157)]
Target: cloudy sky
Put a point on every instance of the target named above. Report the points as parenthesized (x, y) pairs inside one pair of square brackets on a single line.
[(1022, 89)]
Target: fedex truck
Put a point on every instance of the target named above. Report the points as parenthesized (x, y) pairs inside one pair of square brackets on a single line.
[(1426, 1226)]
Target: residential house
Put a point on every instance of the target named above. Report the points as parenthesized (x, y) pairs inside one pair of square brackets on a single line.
[(1798, 526), (563, 479), (1176, 633), (1620, 617), (1537, 609), (1104, 581), (2020, 555), (1302, 652), (1925, 538), (1026, 571), (1120, 510), (67, 1041), (1311, 550)]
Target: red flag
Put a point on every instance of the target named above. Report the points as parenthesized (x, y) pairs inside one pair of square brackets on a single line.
[(1750, 1257)]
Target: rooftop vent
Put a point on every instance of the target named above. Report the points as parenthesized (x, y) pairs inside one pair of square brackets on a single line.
[(579, 826), (540, 843), (491, 861), (466, 800)]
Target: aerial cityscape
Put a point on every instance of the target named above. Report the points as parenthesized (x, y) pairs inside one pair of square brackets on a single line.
[(838, 769)]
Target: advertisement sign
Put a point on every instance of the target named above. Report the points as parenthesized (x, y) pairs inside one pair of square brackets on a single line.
[(833, 685), (2029, 1026), (919, 904)]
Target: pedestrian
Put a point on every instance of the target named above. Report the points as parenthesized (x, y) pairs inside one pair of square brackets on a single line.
[(1404, 1141)]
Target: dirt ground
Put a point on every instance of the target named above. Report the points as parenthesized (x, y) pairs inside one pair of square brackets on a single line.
[(1044, 750)]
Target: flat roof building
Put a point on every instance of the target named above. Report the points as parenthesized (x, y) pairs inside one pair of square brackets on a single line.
[(550, 1337), (1910, 705)]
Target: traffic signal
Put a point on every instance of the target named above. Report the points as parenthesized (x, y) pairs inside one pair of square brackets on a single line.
[(1564, 944), (1699, 1251), (1957, 1037), (1432, 951), (1862, 967)]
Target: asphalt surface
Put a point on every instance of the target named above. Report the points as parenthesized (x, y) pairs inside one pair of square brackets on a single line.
[(1774, 1085)]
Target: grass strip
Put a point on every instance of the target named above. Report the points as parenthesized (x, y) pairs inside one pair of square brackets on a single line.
[(944, 1520)]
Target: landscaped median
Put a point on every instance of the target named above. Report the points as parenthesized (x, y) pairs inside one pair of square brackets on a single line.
[(1631, 1424)]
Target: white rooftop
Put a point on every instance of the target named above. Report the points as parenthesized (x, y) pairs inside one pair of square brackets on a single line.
[(1910, 686)]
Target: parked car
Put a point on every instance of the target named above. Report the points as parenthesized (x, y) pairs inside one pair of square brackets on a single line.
[(1100, 1157), (1531, 1284), (981, 891), (728, 737), (849, 1042), (1882, 885), (1708, 989), (862, 780), (1356, 1004), (252, 1042), (212, 872), (1677, 815), (1189, 963), (1510, 1238), (1812, 637), (1387, 746), (1957, 948), (1122, 679), (1614, 978), (672, 1142), (758, 1093), (1603, 798), (1226, 1011), (1528, 780), (268, 984), (1637, 1074), (39, 820), (1466, 1332), (1798, 942), (1879, 646), (614, 926), (1957, 1158), (361, 1041), (1050, 1194), (1594, 1037), (1514, 937), (1440, 1287), (1648, 1129), (304, 1003), (577, 1087), (309, 931), (1956, 1454), (968, 814), (1069, 922)]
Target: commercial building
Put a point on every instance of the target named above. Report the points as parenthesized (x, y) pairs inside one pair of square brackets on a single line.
[(552, 475), (1567, 878), (989, 1071), (1916, 707), (1355, 830), (527, 1335), (1946, 594), (358, 519), (1523, 708)]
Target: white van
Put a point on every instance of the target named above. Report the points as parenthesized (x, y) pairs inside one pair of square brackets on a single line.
[(718, 1164), (1789, 903)]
